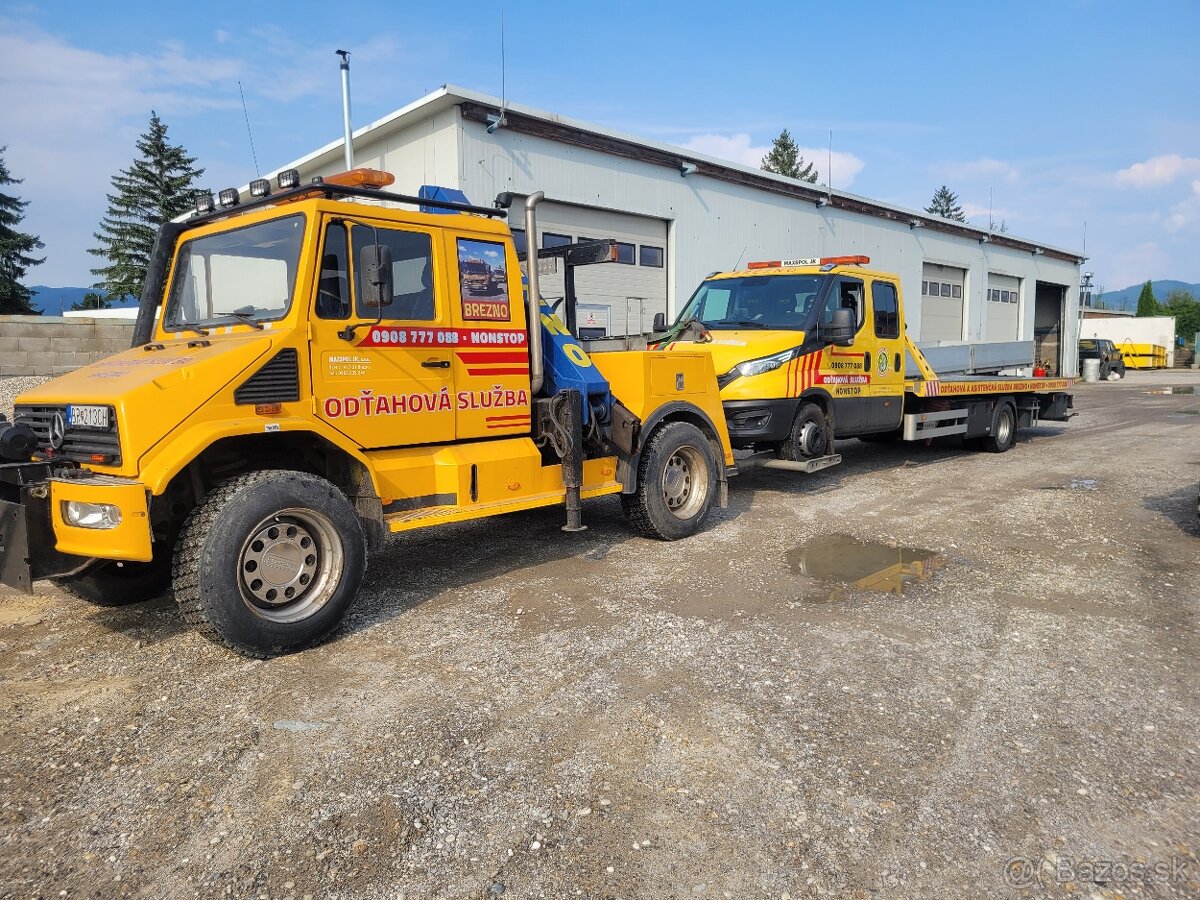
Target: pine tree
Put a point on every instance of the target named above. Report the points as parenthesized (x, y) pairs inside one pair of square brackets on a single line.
[(1147, 304), (945, 204), (15, 249), (784, 159), (155, 189)]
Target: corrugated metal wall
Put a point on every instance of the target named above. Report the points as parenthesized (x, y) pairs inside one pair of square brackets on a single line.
[(713, 224)]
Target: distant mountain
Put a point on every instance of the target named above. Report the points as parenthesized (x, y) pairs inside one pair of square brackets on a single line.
[(1127, 298), (53, 299)]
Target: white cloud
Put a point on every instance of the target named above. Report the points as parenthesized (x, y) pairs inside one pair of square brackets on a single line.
[(738, 148), (1186, 213), (985, 169), (1158, 171)]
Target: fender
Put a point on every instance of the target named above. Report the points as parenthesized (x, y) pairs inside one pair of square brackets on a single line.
[(627, 467), (187, 446)]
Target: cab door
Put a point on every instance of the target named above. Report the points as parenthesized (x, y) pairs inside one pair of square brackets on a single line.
[(491, 356), (383, 377), (845, 372), (887, 380)]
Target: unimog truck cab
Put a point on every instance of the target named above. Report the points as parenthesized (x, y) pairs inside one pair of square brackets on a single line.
[(315, 367)]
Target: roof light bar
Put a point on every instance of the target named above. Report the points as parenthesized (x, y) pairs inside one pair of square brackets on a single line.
[(811, 261), (260, 187), (288, 178), (364, 178), (229, 197), (205, 202)]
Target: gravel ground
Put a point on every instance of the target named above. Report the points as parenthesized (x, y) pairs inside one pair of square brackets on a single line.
[(514, 711)]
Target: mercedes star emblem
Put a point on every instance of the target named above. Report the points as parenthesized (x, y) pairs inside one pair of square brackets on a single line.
[(58, 430)]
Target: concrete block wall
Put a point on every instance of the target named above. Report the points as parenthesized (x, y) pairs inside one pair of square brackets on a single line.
[(51, 345)]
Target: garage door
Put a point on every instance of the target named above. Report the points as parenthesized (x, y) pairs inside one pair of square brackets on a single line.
[(943, 293), (614, 298), (1003, 301)]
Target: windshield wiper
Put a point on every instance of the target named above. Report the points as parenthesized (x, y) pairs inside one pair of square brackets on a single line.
[(245, 314), (745, 323)]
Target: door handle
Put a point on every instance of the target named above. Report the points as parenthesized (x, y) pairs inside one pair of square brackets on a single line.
[(436, 364)]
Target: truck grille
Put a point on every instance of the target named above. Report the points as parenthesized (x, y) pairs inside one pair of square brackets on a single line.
[(79, 444)]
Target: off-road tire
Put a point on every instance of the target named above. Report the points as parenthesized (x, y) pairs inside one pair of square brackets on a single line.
[(672, 505), (1120, 369), (1004, 430), (213, 580), (796, 446), (109, 583)]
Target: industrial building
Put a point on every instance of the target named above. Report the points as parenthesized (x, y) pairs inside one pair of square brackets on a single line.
[(975, 300)]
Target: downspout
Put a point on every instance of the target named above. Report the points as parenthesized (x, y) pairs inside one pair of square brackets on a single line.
[(533, 298)]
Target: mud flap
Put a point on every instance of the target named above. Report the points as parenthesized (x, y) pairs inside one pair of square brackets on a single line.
[(14, 548)]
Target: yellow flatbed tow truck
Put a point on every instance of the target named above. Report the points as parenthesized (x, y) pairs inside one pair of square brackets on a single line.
[(311, 372), (810, 350)]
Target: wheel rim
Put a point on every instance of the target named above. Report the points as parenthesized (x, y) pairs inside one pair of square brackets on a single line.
[(811, 439), (290, 565), (1004, 426), (685, 482)]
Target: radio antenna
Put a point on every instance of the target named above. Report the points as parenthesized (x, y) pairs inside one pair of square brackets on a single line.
[(829, 173), (503, 69), (250, 134)]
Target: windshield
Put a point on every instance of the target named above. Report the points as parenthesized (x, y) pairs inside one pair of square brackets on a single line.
[(755, 301), (243, 274)]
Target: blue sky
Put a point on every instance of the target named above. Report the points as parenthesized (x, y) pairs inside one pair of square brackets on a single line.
[(1067, 112)]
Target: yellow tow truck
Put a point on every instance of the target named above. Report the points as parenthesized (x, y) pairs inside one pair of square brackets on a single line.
[(317, 366), (809, 350)]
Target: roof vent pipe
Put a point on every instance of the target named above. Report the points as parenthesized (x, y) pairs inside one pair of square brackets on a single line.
[(345, 67), (533, 299)]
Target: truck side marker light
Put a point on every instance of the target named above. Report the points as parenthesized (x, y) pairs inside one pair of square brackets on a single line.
[(268, 409)]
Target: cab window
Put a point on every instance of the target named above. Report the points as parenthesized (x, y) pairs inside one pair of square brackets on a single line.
[(846, 293), (886, 308), (333, 287), (412, 273)]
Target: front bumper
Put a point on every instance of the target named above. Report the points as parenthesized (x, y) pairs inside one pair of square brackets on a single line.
[(759, 421), (36, 543), (27, 550)]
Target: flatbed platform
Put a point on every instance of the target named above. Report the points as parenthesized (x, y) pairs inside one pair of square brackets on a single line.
[(946, 387)]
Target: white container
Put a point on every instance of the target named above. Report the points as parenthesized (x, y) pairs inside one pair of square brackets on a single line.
[(1091, 370)]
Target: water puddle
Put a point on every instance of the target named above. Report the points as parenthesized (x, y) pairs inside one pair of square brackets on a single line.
[(845, 563), (1175, 389), (1080, 484)]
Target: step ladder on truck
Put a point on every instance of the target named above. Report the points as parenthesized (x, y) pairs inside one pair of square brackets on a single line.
[(810, 350), (315, 367)]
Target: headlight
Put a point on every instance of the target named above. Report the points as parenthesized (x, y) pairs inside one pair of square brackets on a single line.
[(90, 515), (766, 364)]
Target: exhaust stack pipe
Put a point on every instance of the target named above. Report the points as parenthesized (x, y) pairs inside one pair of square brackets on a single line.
[(534, 301), (345, 67)]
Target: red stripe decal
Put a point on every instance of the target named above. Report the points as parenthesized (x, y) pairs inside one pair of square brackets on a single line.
[(525, 417), (492, 356), (509, 425), (498, 371)]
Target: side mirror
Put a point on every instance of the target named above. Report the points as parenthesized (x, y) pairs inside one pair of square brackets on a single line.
[(660, 321), (840, 329), (376, 267)]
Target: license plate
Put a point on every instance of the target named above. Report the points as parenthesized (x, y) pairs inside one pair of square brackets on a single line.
[(87, 416)]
